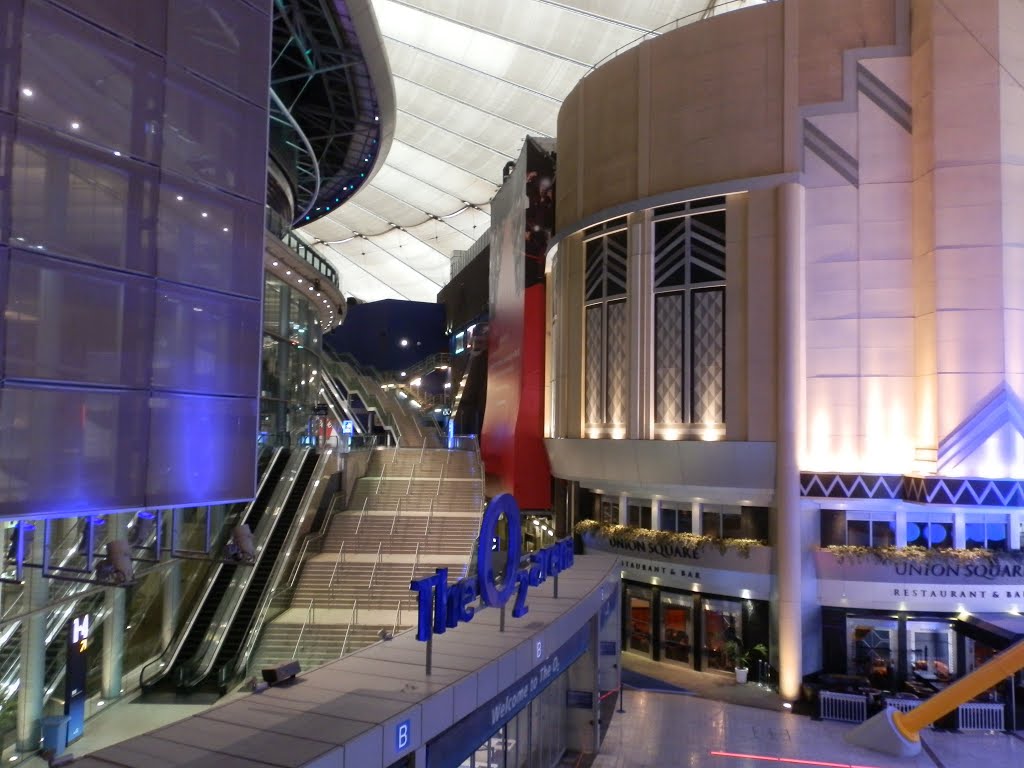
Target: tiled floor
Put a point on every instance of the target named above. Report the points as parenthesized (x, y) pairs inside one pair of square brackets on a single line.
[(661, 730)]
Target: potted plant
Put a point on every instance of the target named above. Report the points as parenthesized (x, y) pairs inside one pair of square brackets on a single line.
[(741, 657)]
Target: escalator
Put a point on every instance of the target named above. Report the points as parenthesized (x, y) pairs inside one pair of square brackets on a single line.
[(170, 671), (258, 582)]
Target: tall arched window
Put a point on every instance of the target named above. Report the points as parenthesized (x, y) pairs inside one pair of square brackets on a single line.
[(689, 313), (606, 381)]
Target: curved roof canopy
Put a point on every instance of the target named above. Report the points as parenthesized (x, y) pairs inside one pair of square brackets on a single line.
[(472, 78)]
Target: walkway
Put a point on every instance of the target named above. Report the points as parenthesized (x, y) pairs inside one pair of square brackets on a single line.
[(665, 730)]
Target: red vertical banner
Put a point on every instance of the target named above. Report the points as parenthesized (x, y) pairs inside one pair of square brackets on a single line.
[(512, 438)]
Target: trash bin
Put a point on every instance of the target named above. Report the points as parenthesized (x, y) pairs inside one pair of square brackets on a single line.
[(55, 734)]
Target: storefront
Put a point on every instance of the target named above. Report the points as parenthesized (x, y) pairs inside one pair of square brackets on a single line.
[(913, 628), (681, 606)]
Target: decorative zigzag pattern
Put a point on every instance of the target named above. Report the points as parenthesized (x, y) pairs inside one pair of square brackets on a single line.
[(962, 491)]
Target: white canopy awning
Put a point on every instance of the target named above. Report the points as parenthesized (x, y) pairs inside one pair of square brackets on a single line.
[(472, 78)]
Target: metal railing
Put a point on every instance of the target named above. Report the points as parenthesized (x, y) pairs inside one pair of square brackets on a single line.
[(846, 707), (348, 630), (376, 562), (980, 716), (310, 619), (334, 573)]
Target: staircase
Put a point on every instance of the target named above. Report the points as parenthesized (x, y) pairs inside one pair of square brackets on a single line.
[(415, 510)]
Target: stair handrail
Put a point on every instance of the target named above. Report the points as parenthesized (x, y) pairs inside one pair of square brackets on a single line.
[(398, 619), (375, 564), (169, 655), (398, 512), (383, 470), (412, 474), (348, 629), (423, 448), (440, 478), (334, 572), (415, 563), (430, 516), (362, 514), (308, 620)]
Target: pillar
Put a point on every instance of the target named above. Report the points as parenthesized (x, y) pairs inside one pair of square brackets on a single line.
[(791, 611), (640, 305), (623, 509), (33, 648), (655, 514), (113, 627)]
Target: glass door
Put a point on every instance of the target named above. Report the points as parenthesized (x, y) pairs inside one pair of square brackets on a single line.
[(677, 628), (722, 623), (639, 604)]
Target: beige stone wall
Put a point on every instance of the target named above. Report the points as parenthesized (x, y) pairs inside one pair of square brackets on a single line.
[(702, 104)]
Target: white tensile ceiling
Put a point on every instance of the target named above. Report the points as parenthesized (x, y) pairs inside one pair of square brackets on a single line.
[(472, 78)]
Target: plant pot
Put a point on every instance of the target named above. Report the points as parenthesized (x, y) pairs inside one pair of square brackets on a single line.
[(741, 675)]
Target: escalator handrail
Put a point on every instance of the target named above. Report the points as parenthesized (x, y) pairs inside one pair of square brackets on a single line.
[(281, 571), (370, 401), (169, 655), (200, 665)]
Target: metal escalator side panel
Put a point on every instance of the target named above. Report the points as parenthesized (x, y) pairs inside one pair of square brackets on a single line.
[(282, 567), (167, 660), (203, 660)]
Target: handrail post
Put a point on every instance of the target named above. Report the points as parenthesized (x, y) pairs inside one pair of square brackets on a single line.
[(359, 524), (375, 564)]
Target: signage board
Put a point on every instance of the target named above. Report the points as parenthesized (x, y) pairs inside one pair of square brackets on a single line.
[(452, 747), (346, 427), (441, 607), (74, 677)]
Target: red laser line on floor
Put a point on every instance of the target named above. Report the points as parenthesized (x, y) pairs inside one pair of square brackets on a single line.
[(790, 760)]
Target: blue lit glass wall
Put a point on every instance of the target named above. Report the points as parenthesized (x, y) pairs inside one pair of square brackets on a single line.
[(132, 180)]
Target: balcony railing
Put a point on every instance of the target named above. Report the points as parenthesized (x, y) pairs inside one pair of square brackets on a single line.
[(282, 230)]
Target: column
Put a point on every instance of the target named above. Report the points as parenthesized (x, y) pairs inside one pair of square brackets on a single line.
[(697, 518), (656, 514), (33, 647), (789, 544), (640, 287), (113, 627), (623, 508)]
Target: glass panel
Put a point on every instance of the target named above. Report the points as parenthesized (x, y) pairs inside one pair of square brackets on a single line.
[(89, 84), (101, 461), (872, 650), (732, 523), (711, 520), (883, 533), (270, 375), (68, 201), (212, 137), (668, 520), (858, 533), (640, 620), (225, 43), (192, 445), (210, 240), (197, 345), (940, 535), (273, 292), (931, 655), (722, 623), (143, 23), (833, 527), (73, 323), (917, 534), (676, 628), (997, 532)]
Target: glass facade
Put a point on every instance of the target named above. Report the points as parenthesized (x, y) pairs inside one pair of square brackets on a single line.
[(290, 365)]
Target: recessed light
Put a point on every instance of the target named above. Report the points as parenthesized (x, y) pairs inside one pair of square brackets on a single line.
[(226, 229), (26, 92), (300, 279), (288, 272), (75, 125), (116, 153), (274, 264), (311, 287), (204, 214), (180, 198)]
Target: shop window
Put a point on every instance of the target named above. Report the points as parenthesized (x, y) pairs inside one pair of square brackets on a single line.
[(608, 510), (931, 655), (986, 531), (724, 521), (933, 531), (638, 516), (677, 520), (872, 650), (723, 623), (861, 529)]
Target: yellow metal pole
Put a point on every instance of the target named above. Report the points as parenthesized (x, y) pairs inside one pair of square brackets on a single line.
[(966, 688)]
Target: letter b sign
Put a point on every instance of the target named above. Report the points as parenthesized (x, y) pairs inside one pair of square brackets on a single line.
[(402, 735)]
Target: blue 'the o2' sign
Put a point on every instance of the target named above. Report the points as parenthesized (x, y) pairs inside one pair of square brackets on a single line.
[(440, 607)]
